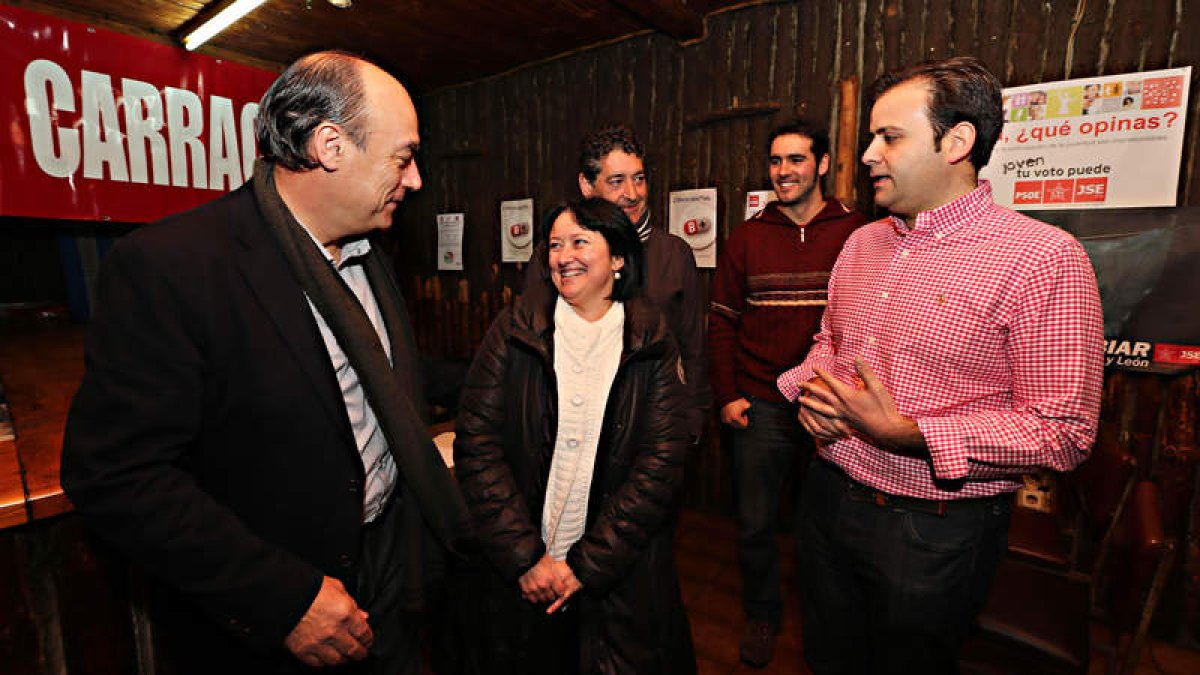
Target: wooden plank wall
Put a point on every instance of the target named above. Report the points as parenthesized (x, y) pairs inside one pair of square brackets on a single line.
[(516, 136)]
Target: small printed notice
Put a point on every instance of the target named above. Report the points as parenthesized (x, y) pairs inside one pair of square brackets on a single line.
[(1098, 142), (450, 236), (516, 230), (756, 200), (693, 218)]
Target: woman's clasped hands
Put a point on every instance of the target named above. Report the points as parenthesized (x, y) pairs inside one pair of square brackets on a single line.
[(550, 581)]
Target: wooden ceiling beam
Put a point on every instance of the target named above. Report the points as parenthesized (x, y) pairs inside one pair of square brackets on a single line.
[(671, 17), (143, 31)]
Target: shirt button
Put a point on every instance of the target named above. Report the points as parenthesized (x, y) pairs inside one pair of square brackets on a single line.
[(885, 294), (345, 561), (871, 340), (577, 368), (577, 400), (572, 442), (903, 254), (937, 235)]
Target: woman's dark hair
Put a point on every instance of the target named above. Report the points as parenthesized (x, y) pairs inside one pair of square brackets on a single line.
[(326, 86), (600, 215), (961, 89)]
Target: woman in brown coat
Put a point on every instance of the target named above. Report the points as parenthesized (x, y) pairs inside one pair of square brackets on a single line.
[(570, 451)]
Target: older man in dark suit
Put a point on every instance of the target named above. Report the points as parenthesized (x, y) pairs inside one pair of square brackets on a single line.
[(249, 428)]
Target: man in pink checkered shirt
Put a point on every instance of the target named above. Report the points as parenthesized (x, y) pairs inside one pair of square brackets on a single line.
[(961, 347)]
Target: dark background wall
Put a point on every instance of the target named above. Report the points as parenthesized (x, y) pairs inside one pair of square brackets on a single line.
[(29, 257), (704, 110), (516, 135)]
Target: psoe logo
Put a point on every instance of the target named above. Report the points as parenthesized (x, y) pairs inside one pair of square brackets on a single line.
[(1027, 192)]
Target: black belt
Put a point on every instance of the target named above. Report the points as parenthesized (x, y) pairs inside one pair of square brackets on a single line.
[(857, 492)]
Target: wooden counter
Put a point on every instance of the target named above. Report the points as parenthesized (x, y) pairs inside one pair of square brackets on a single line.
[(41, 364), (13, 509)]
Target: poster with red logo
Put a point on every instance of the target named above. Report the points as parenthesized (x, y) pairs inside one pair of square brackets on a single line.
[(105, 126), (693, 218), (1100, 142), (757, 200), (516, 230)]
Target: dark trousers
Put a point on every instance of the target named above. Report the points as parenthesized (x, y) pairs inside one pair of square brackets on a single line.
[(891, 585), (190, 644), (397, 649), (763, 456)]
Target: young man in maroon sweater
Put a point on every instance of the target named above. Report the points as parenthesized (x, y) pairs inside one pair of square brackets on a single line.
[(767, 299)]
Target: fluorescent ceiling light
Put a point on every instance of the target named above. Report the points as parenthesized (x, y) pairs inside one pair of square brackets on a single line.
[(219, 22)]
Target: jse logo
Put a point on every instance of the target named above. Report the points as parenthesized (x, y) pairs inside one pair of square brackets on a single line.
[(1091, 189)]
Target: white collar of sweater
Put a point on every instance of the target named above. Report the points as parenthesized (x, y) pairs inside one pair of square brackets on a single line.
[(580, 336)]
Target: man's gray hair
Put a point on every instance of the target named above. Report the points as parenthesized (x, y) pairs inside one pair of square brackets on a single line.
[(320, 87)]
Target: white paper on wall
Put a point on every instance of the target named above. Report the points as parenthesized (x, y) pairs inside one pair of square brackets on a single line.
[(516, 230), (693, 218), (450, 236)]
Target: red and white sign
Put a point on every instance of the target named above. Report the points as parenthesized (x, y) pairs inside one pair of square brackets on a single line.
[(1071, 191), (1184, 355), (104, 126), (1028, 192), (1091, 189), (756, 200), (1113, 141)]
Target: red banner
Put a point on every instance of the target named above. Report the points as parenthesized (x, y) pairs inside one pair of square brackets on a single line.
[(104, 126)]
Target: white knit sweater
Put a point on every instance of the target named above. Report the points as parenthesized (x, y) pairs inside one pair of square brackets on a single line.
[(586, 356)]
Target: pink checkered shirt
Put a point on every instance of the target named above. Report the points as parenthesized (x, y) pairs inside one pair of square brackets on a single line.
[(985, 326)]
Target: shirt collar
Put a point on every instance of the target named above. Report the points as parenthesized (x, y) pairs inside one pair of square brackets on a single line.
[(355, 248), (351, 250), (950, 217)]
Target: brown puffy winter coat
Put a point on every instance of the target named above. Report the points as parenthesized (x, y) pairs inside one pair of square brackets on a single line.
[(630, 614)]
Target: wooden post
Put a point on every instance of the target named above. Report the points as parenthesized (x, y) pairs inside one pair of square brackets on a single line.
[(847, 148)]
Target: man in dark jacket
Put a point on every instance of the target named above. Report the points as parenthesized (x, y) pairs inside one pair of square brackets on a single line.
[(248, 428), (611, 166), (767, 299)]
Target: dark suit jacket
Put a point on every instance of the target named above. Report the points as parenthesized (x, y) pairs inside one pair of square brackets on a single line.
[(209, 440)]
